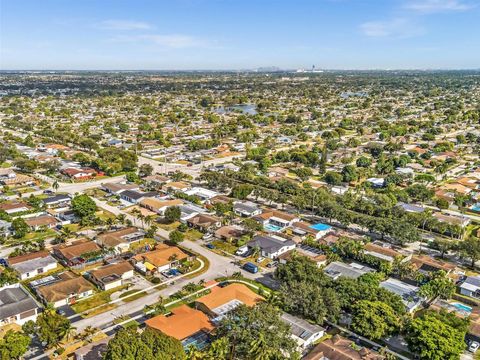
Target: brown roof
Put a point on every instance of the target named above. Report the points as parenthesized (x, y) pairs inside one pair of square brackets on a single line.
[(275, 213), (177, 185), (182, 323), (382, 250), (21, 258), (19, 179), (70, 284), (161, 255), (221, 295), (77, 248), (119, 269), (229, 232), (13, 205), (420, 260), (41, 220), (204, 220), (154, 203), (339, 348), (114, 238)]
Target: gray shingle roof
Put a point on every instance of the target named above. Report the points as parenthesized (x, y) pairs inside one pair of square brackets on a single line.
[(15, 300)]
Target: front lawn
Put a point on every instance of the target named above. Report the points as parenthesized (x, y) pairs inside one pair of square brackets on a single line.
[(141, 244), (98, 299), (224, 246), (193, 235), (169, 227), (133, 297)]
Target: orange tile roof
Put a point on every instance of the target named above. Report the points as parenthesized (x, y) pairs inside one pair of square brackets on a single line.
[(162, 255), (182, 323), (221, 295)]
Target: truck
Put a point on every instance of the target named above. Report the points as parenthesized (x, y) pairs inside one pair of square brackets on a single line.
[(250, 267)]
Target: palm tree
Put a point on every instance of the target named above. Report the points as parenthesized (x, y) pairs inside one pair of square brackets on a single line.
[(194, 354), (259, 349), (121, 218), (87, 334), (149, 219), (55, 186)]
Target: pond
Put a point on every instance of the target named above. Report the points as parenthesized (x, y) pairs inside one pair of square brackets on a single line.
[(249, 109)]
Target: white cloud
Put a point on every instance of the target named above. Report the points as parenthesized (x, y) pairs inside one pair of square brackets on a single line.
[(124, 25), (435, 6), (398, 27), (174, 41)]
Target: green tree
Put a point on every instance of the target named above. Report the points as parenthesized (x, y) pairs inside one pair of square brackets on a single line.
[(249, 333), (374, 319), (20, 227), (8, 276), (436, 336), (145, 170), (52, 327), (84, 206), (13, 345), (176, 236), (440, 285), (172, 214)]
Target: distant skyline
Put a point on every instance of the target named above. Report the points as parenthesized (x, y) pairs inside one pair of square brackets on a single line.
[(239, 34)]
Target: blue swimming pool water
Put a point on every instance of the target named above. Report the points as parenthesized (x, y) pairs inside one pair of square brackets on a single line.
[(462, 307), (476, 207), (271, 227), (320, 227)]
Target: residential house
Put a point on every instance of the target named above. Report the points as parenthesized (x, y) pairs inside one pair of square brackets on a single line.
[(411, 208), (32, 264), (80, 173), (79, 253), (164, 257), (274, 220), (230, 233), (384, 252), (64, 289), (339, 348), (185, 324), (156, 181), (304, 333), (5, 229), (314, 254), (112, 275), (176, 186), (338, 269), (134, 197), (15, 207), (246, 208), (471, 287), (120, 240), (59, 200), (303, 230), (204, 222), (41, 222), (223, 299), (190, 210), (408, 293), (118, 188), (425, 264), (202, 193), (271, 246), (159, 206), (18, 180), (459, 220), (17, 306)]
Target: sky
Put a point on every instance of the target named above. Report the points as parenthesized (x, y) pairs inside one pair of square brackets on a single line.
[(238, 34)]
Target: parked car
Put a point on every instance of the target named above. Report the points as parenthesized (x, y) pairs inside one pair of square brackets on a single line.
[(473, 347), (207, 236), (272, 264), (260, 259), (210, 246), (242, 251), (250, 267)]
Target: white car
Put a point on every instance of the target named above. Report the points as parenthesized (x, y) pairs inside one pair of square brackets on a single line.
[(207, 236), (260, 259), (473, 347)]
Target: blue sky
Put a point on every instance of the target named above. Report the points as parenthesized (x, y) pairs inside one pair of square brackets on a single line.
[(239, 34)]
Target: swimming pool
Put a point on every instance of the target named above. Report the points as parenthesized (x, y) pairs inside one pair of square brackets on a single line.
[(320, 227), (462, 307), (476, 207), (273, 228)]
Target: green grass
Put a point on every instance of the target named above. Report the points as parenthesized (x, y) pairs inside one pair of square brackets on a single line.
[(140, 244), (133, 297), (193, 235), (98, 299), (34, 236), (225, 246), (169, 227)]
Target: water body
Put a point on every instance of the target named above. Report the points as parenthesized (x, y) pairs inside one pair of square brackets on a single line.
[(249, 109)]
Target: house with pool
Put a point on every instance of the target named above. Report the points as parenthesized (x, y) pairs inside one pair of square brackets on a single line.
[(304, 229), (275, 221)]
